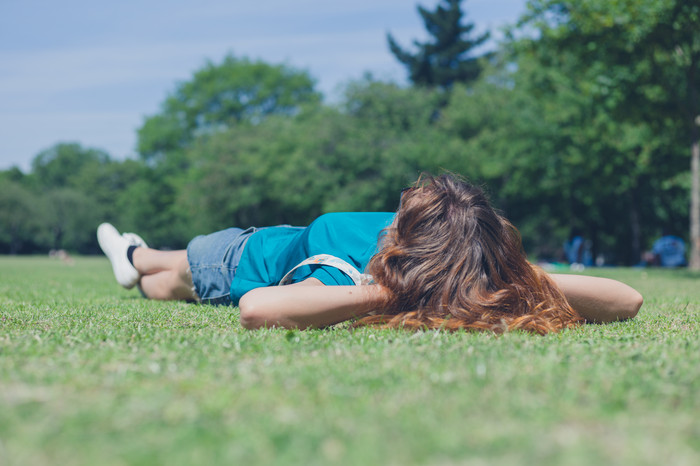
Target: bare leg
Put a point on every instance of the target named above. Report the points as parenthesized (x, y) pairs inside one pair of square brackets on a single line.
[(164, 274), (149, 261)]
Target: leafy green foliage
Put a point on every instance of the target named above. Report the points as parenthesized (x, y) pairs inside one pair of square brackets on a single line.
[(576, 128), (634, 65), (66, 213), (19, 218), (290, 170), (445, 59), (220, 96), (58, 206), (63, 164)]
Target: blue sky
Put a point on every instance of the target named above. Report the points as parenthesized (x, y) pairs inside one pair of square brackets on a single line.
[(89, 71)]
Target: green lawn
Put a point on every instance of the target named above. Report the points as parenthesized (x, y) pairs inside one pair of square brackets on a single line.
[(93, 374)]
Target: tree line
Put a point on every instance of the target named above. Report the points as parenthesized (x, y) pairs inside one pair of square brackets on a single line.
[(584, 118)]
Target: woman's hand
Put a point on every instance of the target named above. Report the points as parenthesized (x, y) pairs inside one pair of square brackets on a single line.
[(599, 299), (307, 304)]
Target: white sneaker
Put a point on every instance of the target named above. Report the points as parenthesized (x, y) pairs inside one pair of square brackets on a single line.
[(134, 240), (115, 246)]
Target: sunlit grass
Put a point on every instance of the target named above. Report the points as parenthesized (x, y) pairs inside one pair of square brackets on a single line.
[(93, 374)]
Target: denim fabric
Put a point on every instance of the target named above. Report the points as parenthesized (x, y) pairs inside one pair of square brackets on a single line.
[(213, 261)]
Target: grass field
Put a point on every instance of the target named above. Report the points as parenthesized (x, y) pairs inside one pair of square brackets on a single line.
[(93, 374)]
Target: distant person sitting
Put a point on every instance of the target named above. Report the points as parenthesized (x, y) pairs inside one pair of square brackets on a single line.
[(669, 251), (578, 251)]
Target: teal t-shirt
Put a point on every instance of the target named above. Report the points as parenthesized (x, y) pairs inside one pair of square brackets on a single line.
[(272, 252)]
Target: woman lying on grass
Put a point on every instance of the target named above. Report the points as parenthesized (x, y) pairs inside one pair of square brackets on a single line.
[(444, 260)]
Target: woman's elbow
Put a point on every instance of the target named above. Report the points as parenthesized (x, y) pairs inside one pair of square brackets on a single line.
[(627, 305), (634, 303), (251, 315)]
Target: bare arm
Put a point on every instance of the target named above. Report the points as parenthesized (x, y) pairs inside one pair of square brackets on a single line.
[(306, 304), (599, 299), (310, 304)]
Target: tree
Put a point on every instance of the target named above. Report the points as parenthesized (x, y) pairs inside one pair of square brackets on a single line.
[(220, 96), (290, 170), (19, 218), (79, 187), (642, 59), (446, 58), (391, 138), (69, 220), (546, 132), (62, 164)]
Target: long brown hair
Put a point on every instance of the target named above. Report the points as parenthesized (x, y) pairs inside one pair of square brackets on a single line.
[(450, 261)]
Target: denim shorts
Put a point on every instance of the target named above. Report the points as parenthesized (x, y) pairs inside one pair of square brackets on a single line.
[(213, 262)]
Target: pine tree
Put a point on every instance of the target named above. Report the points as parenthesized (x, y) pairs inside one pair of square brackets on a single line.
[(444, 59)]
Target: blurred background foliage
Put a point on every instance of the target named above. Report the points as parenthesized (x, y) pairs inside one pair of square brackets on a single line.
[(582, 119)]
